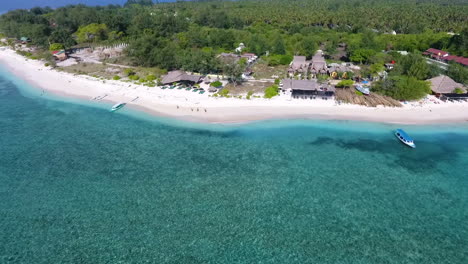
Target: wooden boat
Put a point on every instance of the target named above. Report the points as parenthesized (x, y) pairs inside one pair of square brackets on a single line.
[(405, 138), (363, 89), (117, 106)]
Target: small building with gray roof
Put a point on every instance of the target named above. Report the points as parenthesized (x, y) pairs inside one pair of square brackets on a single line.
[(180, 76), (307, 88), (444, 85)]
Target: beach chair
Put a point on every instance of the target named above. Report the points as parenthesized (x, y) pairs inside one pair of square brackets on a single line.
[(201, 92), (164, 87), (195, 90), (188, 88)]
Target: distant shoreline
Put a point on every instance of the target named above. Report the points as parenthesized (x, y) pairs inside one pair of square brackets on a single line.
[(194, 107)]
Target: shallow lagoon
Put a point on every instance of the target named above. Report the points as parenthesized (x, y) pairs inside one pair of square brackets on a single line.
[(82, 185)]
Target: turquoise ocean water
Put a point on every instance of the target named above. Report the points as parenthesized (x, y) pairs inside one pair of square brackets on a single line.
[(79, 184)]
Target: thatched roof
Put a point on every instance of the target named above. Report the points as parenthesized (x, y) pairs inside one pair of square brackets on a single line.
[(180, 76), (444, 85), (318, 61), (298, 62), (305, 85)]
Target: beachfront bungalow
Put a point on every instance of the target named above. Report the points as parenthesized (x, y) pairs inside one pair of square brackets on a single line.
[(307, 89), (298, 65), (318, 64), (445, 87), (180, 76)]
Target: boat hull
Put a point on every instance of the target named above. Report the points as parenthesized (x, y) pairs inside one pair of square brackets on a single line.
[(363, 90), (402, 138), (117, 107)]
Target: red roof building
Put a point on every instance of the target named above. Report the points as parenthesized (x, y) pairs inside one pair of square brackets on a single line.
[(445, 56)]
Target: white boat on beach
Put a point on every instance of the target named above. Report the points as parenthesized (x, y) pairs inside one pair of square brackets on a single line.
[(363, 89), (117, 106)]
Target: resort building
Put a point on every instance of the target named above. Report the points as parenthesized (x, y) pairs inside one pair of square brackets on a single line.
[(307, 89), (300, 65), (446, 88), (318, 64), (444, 56), (180, 76)]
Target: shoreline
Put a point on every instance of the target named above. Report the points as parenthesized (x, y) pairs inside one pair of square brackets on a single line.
[(194, 107)]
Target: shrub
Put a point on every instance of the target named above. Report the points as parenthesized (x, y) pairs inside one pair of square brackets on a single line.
[(116, 78), (277, 81), (271, 91), (249, 94), (275, 60), (402, 87), (345, 83), (151, 77), (134, 77), (458, 90), (56, 46), (216, 84), (129, 72), (224, 92), (47, 64)]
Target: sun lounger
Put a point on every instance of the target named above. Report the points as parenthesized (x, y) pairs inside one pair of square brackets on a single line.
[(201, 92)]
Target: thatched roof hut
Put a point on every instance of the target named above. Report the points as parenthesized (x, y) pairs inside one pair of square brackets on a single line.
[(180, 76), (444, 85)]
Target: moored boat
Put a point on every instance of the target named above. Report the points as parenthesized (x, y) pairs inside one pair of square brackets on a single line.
[(405, 138), (117, 106), (363, 89)]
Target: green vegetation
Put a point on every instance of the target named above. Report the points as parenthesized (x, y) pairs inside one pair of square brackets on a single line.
[(402, 88), (271, 91), (275, 60), (345, 83), (56, 46), (116, 78), (216, 84), (92, 33), (134, 77), (129, 72), (249, 95), (223, 93), (458, 91), (151, 77), (458, 73), (189, 35)]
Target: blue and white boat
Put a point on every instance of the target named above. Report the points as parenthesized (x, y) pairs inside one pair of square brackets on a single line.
[(363, 89), (117, 106), (405, 138)]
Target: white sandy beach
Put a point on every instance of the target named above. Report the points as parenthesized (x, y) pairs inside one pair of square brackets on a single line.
[(191, 106)]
